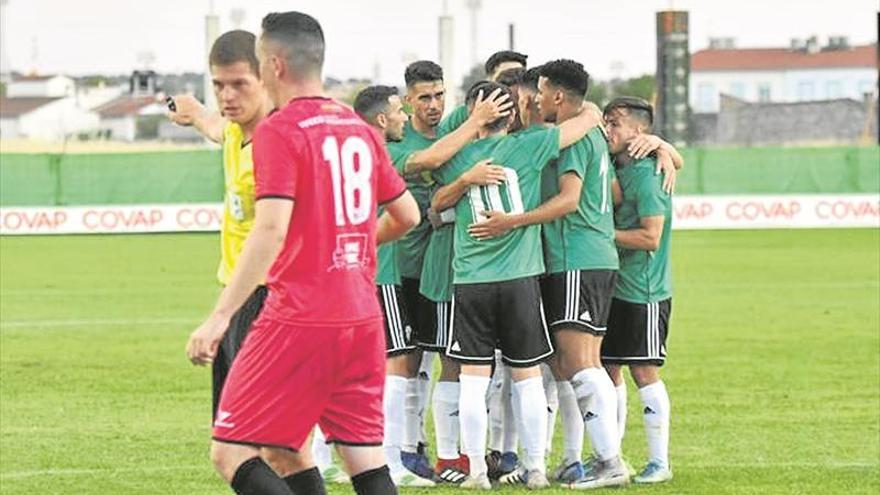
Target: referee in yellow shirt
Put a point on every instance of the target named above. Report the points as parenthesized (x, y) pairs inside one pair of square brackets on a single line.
[(243, 104)]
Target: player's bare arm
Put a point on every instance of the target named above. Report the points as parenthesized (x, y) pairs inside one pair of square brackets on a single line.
[(669, 160), (483, 173), (485, 111), (260, 250), (645, 144), (645, 238), (400, 216), (188, 111), (575, 128), (498, 223)]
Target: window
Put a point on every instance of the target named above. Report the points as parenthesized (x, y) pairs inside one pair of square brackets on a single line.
[(763, 92), (833, 89), (866, 87), (738, 89), (706, 98), (805, 91)]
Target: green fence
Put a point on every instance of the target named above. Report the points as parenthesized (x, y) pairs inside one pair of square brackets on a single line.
[(197, 176)]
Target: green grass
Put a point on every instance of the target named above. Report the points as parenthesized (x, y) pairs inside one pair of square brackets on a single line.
[(774, 369)]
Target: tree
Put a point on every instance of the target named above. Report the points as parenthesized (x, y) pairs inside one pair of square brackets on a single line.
[(642, 87)]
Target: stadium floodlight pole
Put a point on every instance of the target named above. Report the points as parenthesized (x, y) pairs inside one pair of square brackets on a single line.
[(5, 63), (474, 7), (446, 31), (212, 31)]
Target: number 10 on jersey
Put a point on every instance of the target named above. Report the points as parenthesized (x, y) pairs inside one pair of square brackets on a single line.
[(352, 194)]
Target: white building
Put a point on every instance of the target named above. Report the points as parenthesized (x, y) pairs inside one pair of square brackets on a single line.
[(47, 107), (120, 117), (44, 117), (40, 86), (802, 72)]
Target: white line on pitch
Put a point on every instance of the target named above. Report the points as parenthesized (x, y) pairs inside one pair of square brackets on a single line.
[(95, 322), (76, 472)]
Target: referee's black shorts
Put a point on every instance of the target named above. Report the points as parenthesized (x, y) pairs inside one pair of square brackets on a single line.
[(239, 326)]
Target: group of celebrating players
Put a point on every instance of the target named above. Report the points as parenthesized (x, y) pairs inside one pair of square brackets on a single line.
[(523, 239)]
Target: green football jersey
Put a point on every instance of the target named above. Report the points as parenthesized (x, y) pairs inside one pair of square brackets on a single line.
[(583, 239), (453, 121), (436, 282), (516, 254), (410, 251), (644, 276), (386, 263)]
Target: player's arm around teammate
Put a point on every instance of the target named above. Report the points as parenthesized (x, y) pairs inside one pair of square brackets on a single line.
[(642, 305)]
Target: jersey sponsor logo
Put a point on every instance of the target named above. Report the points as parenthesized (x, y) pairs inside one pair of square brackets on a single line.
[(350, 252), (221, 422), (235, 206)]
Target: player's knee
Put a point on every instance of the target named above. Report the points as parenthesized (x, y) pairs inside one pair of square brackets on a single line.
[(615, 373), (644, 375), (520, 374), (449, 370), (285, 462), (224, 459)]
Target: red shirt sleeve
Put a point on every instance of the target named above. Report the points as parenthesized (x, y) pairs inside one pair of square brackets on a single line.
[(389, 185), (275, 162)]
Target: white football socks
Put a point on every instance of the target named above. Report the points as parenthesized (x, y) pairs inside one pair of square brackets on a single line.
[(531, 402), (597, 402), (496, 408), (621, 409), (656, 401), (446, 424), (395, 420), (426, 373), (510, 416), (552, 394), (572, 423), (474, 420), (320, 449), (413, 416)]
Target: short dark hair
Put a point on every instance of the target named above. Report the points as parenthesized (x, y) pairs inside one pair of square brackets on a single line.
[(302, 38), (635, 107), (488, 87), (499, 58), (530, 78), (568, 75), (422, 71), (373, 100), (511, 77), (233, 47)]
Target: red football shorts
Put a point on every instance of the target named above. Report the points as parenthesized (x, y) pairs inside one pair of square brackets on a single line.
[(288, 378)]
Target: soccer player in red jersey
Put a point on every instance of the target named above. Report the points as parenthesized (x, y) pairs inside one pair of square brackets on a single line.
[(316, 353)]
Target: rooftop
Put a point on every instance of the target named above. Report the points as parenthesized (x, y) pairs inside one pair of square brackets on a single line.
[(782, 58)]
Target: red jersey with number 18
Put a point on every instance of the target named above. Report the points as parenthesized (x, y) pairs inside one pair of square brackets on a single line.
[(334, 166)]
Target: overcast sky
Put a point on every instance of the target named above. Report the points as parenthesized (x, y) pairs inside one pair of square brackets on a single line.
[(369, 37)]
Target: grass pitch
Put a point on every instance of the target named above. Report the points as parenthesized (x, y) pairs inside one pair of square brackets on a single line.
[(774, 368)]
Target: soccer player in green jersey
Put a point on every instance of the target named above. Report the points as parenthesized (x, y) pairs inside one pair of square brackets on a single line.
[(501, 61), (426, 145), (381, 107), (581, 257), (496, 299), (642, 304)]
